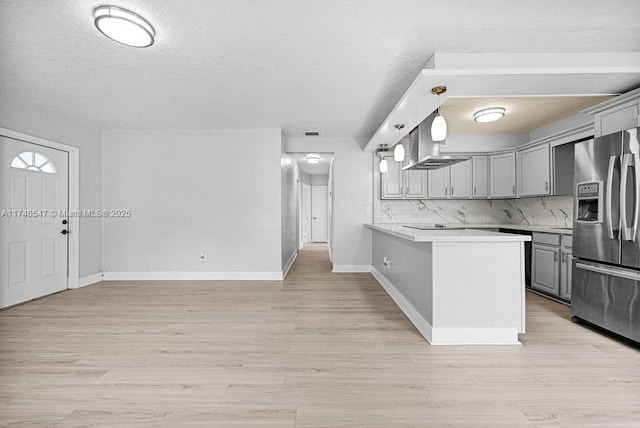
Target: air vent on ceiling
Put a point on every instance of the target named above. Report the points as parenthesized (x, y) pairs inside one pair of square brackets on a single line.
[(311, 133)]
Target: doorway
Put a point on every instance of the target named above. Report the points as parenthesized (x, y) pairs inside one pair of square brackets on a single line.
[(34, 222)]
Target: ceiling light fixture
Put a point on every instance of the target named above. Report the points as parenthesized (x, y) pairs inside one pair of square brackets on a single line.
[(124, 26), (398, 150), (489, 114), (439, 124), (312, 159)]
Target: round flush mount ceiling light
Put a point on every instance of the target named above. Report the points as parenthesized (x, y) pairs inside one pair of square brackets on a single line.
[(489, 114), (124, 26), (312, 159)]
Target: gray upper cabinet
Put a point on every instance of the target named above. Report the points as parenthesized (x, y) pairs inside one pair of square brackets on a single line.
[(393, 181), (439, 182), (534, 171), (480, 174), (617, 114), (502, 173), (399, 184), (461, 180)]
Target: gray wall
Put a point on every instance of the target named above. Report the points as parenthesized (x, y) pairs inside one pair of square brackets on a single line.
[(193, 190), (289, 218), (32, 120)]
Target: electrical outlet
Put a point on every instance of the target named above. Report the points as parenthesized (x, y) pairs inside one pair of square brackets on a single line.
[(342, 204), (203, 255), (387, 262)]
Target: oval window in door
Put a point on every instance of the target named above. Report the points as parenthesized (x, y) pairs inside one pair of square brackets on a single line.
[(33, 161)]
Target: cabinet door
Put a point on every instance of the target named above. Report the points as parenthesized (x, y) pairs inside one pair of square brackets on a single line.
[(480, 176), (415, 184), (392, 182), (533, 171), (438, 183), (460, 178), (502, 174), (545, 275), (565, 274)]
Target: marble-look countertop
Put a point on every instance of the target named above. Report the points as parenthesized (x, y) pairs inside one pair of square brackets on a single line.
[(530, 228), (465, 234)]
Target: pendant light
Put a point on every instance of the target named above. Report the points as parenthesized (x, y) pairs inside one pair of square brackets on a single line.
[(398, 150), (439, 124), (383, 167)]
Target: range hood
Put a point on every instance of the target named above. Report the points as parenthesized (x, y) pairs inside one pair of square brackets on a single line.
[(423, 152)]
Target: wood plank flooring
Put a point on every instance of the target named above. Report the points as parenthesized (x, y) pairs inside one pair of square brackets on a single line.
[(316, 350)]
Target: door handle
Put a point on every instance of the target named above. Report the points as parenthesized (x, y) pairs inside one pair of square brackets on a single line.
[(607, 205), (64, 232), (635, 163), (608, 271)]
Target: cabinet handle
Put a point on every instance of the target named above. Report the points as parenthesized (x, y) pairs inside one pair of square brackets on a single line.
[(564, 257), (451, 190), (474, 190), (445, 190), (513, 189), (555, 257)]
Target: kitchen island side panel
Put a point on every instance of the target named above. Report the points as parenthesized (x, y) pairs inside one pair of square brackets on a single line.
[(409, 269)]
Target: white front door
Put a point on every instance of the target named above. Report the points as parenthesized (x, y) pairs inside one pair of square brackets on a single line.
[(319, 214), (34, 194)]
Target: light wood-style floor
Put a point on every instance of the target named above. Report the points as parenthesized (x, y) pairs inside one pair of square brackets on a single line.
[(316, 350)]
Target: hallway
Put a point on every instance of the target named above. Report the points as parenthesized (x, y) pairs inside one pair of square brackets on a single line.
[(318, 349)]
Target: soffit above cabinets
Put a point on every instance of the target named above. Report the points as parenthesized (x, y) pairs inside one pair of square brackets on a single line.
[(522, 114)]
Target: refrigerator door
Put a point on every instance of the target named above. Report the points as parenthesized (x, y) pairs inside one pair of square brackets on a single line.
[(599, 162), (630, 198), (608, 297)]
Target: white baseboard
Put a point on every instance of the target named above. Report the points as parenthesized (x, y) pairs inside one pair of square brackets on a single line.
[(351, 268), (414, 316), (192, 276), (90, 279), (286, 268), (447, 335)]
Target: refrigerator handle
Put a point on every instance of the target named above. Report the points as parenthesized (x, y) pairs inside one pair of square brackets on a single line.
[(605, 270), (624, 230), (636, 188), (607, 205)]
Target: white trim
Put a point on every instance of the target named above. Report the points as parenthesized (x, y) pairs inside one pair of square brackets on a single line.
[(447, 335), (614, 102), (74, 197), (351, 268), (286, 268), (423, 326), (90, 279), (193, 276)]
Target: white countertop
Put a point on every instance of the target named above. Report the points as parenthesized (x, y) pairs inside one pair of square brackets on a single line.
[(467, 234)]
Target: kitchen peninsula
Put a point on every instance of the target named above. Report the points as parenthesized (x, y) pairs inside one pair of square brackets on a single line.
[(457, 286)]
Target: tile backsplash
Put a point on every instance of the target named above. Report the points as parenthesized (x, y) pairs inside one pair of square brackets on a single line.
[(546, 210)]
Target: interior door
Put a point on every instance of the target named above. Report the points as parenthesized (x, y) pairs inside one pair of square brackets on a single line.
[(319, 223), (33, 213), (306, 213)]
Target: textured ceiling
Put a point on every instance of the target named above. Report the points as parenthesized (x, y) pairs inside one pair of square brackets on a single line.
[(334, 66), (521, 114)]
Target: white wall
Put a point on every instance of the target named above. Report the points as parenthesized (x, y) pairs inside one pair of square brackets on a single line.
[(289, 218), (353, 183), (193, 190), (38, 122)]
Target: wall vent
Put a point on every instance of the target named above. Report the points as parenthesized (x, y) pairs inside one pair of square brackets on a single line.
[(311, 133)]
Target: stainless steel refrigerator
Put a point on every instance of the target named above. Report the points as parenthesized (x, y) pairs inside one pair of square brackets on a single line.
[(606, 241)]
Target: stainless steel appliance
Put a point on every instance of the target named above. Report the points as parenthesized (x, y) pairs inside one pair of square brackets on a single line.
[(424, 153), (606, 242)]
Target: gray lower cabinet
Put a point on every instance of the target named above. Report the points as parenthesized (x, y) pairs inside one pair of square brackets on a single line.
[(546, 264), (551, 264)]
